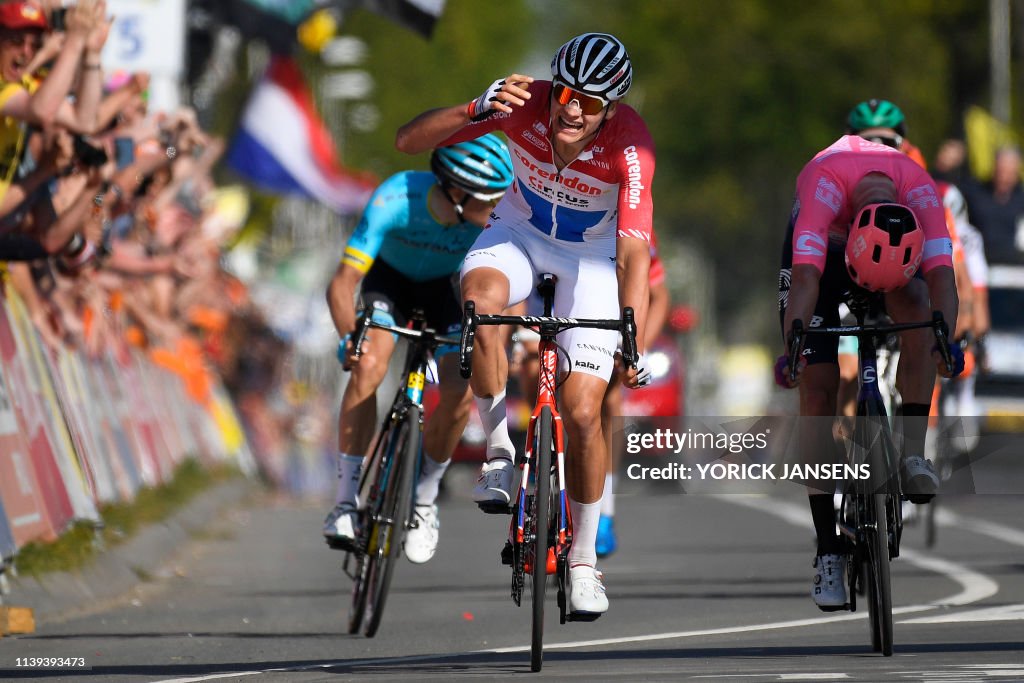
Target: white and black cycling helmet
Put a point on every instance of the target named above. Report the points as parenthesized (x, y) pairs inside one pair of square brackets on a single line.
[(595, 64)]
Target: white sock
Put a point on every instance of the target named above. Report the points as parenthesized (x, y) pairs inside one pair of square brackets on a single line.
[(431, 472), (350, 467), (608, 497), (585, 517), (494, 419)]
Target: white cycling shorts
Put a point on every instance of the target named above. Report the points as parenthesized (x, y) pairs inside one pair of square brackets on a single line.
[(587, 287)]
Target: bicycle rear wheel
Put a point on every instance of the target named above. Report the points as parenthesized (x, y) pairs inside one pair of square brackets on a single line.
[(388, 526), (541, 525), (879, 580)]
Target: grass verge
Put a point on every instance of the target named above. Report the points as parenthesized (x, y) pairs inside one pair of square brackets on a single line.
[(83, 541)]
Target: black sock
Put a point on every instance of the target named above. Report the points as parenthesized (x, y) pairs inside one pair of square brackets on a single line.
[(824, 515)]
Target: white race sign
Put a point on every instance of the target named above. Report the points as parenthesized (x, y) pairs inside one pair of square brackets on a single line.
[(148, 35)]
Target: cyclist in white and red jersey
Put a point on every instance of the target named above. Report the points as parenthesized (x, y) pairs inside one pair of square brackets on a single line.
[(859, 204), (580, 208)]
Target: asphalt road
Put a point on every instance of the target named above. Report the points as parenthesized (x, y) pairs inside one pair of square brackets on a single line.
[(703, 588)]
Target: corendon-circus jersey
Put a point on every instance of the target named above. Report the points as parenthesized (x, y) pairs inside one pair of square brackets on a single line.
[(602, 194)]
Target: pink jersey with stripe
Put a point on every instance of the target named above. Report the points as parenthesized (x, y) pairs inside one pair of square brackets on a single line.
[(824, 205), (603, 194)]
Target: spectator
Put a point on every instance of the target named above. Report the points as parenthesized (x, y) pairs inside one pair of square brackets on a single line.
[(996, 208), (949, 161)]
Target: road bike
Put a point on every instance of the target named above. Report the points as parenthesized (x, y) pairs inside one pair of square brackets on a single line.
[(386, 486), (870, 515), (540, 533)]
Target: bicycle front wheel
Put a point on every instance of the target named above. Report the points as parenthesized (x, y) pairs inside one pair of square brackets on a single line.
[(879, 582), (388, 526), (541, 526), (358, 605)]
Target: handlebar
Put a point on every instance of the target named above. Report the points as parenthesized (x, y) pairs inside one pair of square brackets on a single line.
[(942, 339), (469, 322), (796, 342), (426, 336), (937, 324), (549, 326)]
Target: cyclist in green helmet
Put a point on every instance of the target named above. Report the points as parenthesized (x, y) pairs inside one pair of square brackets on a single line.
[(875, 113)]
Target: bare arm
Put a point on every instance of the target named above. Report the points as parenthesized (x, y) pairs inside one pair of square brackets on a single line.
[(433, 126), (942, 291), (803, 294), (341, 298), (965, 295), (657, 312), (982, 321), (90, 82), (38, 308), (632, 268), (429, 128), (55, 234), (131, 258), (47, 101)]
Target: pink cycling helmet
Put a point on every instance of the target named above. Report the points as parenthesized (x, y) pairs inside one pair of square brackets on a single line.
[(884, 248)]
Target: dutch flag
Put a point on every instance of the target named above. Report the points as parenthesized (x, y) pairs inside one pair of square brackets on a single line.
[(283, 147)]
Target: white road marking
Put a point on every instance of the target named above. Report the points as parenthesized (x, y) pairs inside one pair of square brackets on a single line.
[(975, 587), (1001, 613), (1000, 532)]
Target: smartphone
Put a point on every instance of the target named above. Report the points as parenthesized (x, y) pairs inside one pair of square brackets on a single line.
[(124, 152), (57, 19)]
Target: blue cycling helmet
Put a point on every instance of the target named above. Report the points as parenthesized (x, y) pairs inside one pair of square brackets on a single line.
[(482, 167)]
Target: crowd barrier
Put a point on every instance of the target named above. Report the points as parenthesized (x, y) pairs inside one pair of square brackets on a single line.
[(77, 431)]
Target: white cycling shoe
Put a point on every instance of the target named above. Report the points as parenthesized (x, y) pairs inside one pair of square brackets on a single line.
[(587, 599), (422, 536), (829, 585), (492, 492), (920, 482), (340, 527)]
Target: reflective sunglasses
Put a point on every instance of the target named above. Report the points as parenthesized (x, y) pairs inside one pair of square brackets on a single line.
[(895, 141), (588, 105)]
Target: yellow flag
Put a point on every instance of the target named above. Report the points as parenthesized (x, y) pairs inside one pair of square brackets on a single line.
[(985, 135)]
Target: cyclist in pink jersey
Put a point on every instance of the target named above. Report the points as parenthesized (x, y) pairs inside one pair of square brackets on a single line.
[(580, 208), (861, 185)]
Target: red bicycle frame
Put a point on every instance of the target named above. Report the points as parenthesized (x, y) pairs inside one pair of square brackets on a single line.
[(545, 397)]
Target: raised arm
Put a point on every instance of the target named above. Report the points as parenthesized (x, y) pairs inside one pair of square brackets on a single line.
[(433, 126)]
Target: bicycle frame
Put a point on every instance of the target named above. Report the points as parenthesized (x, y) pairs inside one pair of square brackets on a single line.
[(546, 388), (389, 479), (407, 396)]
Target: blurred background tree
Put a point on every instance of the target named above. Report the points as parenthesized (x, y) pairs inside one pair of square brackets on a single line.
[(738, 96)]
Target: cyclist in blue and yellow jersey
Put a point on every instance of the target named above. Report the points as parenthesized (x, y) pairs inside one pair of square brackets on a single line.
[(407, 251)]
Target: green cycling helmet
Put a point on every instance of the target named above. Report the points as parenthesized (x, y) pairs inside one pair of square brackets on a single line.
[(876, 114)]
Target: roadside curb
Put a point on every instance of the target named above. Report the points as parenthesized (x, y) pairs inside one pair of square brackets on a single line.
[(115, 572)]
